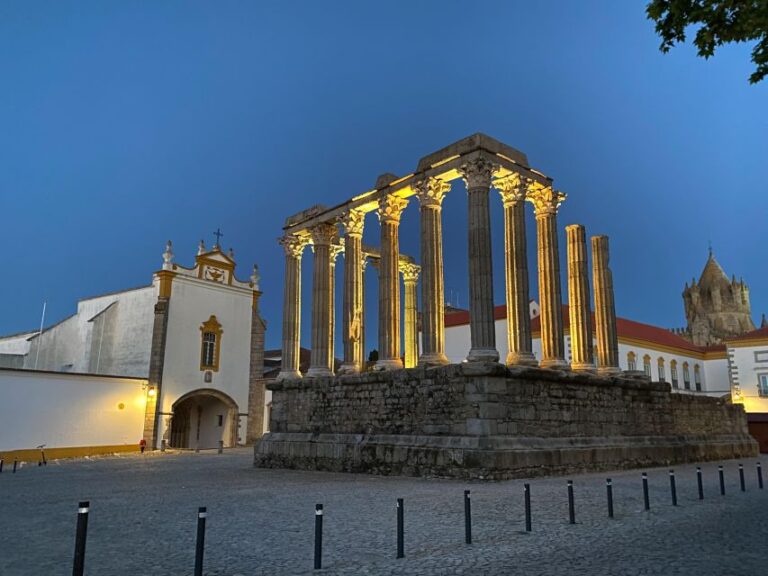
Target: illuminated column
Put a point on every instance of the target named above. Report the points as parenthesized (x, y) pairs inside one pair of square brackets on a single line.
[(321, 361), (294, 248), (605, 309), (353, 291), (578, 299), (477, 177), (390, 208), (545, 201), (516, 260), (410, 279), (335, 250), (430, 194)]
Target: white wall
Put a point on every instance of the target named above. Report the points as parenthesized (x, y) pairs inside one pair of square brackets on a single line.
[(745, 371), (67, 410), (16, 344)]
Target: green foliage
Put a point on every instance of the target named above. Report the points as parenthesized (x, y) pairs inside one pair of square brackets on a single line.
[(720, 21)]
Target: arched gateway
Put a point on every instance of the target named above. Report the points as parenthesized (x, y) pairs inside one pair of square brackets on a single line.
[(203, 417)]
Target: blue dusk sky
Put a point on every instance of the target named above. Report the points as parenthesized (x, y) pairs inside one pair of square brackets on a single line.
[(125, 124)]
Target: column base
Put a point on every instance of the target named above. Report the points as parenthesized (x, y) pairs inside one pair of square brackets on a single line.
[(521, 359), (318, 372), (433, 359), (388, 364), (288, 375), (349, 369), (585, 367), (554, 364), (609, 370), (483, 355)]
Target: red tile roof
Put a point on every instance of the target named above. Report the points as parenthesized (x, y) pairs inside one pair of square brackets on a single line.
[(625, 328), (754, 335)]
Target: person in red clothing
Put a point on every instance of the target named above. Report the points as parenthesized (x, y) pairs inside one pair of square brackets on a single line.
[(142, 445)]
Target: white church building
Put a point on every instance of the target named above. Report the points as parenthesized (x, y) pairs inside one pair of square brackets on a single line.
[(179, 361)]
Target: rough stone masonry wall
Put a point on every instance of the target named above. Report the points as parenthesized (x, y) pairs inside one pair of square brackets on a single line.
[(493, 422)]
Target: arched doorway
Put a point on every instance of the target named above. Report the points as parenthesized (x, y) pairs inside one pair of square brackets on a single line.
[(203, 417)]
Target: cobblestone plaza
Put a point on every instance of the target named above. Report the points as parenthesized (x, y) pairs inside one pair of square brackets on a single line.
[(143, 518)]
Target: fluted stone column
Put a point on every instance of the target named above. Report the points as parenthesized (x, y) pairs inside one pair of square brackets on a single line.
[(294, 248), (321, 361), (512, 192), (389, 212), (353, 292), (605, 309), (335, 250), (545, 201), (410, 279), (431, 193), (363, 356), (477, 177), (578, 299)]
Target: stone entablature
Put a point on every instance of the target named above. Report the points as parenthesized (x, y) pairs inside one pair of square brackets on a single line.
[(483, 420)]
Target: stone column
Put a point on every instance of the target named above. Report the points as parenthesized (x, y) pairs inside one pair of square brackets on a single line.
[(321, 361), (157, 361), (512, 192), (256, 381), (410, 279), (294, 248), (389, 212), (431, 193), (578, 299), (477, 177), (353, 292), (605, 309), (335, 250), (545, 201)]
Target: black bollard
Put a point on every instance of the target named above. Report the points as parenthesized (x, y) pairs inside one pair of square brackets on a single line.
[(701, 484), (645, 492), (1, 465), (467, 518), (78, 566), (609, 493), (673, 487), (741, 478), (571, 506), (759, 475), (400, 522), (200, 546), (527, 493), (45, 462), (221, 446), (15, 464), (722, 480), (318, 536)]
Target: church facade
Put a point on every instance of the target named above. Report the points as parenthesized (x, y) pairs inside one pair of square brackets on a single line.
[(194, 336)]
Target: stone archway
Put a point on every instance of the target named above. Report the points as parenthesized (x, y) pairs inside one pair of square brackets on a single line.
[(203, 417)]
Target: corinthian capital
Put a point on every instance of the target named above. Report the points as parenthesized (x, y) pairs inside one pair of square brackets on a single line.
[(390, 208), (293, 244), (323, 233), (353, 222), (410, 271), (477, 173), (545, 199), (335, 250), (511, 188), (432, 191)]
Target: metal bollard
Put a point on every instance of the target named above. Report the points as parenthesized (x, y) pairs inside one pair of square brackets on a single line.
[(221, 446), (673, 487), (15, 464), (759, 475), (318, 536), (1, 465), (722, 480), (741, 478), (45, 461), (571, 507), (645, 492), (78, 566), (700, 482), (200, 546), (527, 493), (609, 493), (163, 445), (467, 518), (400, 529)]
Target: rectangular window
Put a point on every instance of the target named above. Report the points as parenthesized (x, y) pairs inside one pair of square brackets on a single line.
[(762, 385), (761, 356), (209, 349), (631, 364), (221, 420), (647, 369), (686, 378), (673, 371), (662, 376)]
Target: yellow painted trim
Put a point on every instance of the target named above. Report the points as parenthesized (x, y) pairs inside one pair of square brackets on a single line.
[(33, 454), (166, 282), (661, 347), (211, 325), (747, 343)]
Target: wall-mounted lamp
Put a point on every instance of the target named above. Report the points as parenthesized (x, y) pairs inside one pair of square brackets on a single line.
[(152, 391)]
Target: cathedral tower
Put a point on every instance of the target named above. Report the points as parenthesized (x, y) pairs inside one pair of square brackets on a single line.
[(716, 308)]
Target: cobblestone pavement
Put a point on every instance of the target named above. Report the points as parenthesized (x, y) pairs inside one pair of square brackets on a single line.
[(261, 522)]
